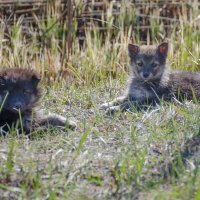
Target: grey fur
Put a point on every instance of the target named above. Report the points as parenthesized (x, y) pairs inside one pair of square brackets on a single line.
[(151, 80)]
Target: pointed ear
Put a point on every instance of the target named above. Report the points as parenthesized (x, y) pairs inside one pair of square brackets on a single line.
[(133, 50), (163, 49), (2, 80), (35, 79)]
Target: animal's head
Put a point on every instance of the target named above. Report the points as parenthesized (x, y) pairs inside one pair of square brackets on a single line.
[(19, 89), (148, 62)]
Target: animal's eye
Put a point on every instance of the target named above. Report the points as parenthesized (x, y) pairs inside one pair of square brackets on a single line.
[(27, 92), (140, 63), (154, 65)]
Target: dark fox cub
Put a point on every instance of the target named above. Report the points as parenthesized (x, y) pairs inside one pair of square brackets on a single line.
[(151, 80), (19, 97)]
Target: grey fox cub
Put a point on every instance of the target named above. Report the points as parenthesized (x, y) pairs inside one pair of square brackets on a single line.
[(151, 80), (19, 96)]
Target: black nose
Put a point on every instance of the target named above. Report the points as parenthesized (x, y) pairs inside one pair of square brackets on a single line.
[(18, 105), (145, 74)]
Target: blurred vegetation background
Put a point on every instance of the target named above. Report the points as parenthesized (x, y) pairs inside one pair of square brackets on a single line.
[(80, 49), (85, 41)]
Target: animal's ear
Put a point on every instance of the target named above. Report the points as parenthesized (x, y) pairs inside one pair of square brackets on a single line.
[(2, 80), (35, 79), (133, 50), (163, 49)]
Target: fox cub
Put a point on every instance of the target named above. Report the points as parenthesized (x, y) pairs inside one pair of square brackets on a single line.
[(151, 80), (19, 97)]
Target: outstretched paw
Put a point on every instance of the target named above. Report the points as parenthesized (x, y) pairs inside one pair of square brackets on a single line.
[(58, 120), (103, 106), (71, 124), (112, 110), (52, 119)]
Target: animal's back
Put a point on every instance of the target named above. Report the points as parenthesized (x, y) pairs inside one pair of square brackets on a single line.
[(185, 83)]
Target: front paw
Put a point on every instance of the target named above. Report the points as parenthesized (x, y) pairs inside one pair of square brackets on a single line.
[(112, 110), (104, 106), (64, 122), (71, 124)]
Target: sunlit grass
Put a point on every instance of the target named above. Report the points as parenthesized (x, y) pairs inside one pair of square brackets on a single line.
[(139, 154)]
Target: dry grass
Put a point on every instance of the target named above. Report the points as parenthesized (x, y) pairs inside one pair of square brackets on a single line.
[(151, 154), (106, 157)]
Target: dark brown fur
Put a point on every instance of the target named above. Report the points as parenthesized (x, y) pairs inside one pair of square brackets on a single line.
[(184, 84), (151, 80), (20, 95)]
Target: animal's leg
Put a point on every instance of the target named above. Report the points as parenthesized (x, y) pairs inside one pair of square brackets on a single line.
[(54, 120), (117, 101)]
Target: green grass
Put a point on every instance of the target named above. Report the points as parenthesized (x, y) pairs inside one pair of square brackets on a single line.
[(106, 157), (151, 154)]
